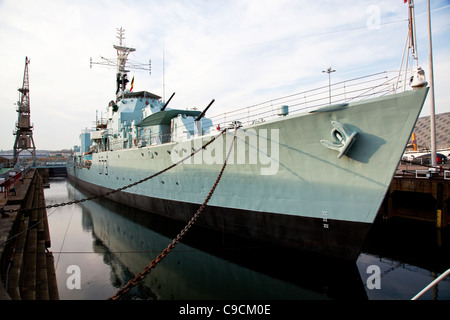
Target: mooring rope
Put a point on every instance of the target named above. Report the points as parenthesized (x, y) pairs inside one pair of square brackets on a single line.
[(140, 276)]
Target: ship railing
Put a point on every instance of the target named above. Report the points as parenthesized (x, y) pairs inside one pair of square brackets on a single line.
[(375, 85), (432, 284), (154, 139), (143, 141), (117, 144)]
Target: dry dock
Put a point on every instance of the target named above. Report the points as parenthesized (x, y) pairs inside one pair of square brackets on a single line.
[(26, 266), (420, 193)]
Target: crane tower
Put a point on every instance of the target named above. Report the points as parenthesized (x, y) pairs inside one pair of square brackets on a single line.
[(24, 128)]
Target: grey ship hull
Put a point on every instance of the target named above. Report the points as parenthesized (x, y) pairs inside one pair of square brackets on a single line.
[(309, 193)]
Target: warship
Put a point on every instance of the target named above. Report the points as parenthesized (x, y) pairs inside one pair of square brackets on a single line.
[(308, 171)]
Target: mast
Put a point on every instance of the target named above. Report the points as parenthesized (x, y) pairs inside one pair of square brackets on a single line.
[(418, 74), (24, 129), (121, 64), (164, 72), (122, 57), (418, 77), (432, 115), (412, 31)]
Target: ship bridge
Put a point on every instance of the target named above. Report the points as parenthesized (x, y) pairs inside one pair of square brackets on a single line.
[(139, 94)]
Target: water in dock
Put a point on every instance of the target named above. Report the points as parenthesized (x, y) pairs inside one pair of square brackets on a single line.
[(99, 246)]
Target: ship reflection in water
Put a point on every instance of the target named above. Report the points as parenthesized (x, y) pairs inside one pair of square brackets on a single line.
[(100, 245)]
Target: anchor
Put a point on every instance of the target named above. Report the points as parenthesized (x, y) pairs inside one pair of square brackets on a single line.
[(342, 139)]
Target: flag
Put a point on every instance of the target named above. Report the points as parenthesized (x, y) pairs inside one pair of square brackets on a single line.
[(132, 83)]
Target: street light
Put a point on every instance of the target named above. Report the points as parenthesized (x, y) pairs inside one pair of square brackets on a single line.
[(329, 71)]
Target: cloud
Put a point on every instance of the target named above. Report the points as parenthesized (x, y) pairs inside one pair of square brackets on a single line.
[(237, 52), (268, 44)]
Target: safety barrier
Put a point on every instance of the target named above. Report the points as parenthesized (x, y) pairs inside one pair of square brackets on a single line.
[(8, 184), (432, 284)]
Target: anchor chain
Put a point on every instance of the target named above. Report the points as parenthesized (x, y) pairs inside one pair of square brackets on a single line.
[(56, 205), (140, 276)]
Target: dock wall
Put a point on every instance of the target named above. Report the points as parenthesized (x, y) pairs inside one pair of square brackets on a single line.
[(26, 266), (416, 197)]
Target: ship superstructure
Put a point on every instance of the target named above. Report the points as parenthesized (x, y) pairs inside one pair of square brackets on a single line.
[(138, 119), (309, 170)]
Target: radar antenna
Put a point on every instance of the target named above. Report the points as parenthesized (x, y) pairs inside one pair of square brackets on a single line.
[(122, 62)]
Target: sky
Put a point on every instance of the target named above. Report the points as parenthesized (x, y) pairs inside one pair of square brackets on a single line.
[(238, 52)]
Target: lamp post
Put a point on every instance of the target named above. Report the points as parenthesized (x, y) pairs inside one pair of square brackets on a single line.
[(329, 71)]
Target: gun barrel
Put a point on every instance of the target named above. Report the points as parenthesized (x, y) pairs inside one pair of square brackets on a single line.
[(201, 115), (165, 105)]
